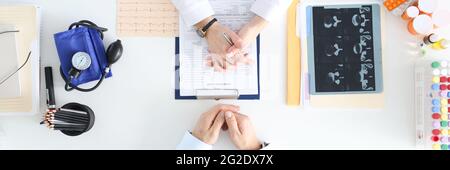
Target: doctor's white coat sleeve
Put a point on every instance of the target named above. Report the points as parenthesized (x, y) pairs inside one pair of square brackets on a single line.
[(270, 9), (193, 11)]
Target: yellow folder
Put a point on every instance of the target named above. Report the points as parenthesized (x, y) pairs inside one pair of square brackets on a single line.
[(293, 57)]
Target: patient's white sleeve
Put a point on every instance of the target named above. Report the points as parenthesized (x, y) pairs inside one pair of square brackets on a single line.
[(190, 142)]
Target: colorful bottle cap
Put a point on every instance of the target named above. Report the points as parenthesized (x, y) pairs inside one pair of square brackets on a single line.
[(436, 132), (448, 95), (436, 79), (443, 87), (422, 24), (444, 102), (435, 64), (436, 72), (436, 146), (411, 12), (444, 72), (444, 110), (443, 94), (444, 63), (436, 124), (435, 87), (435, 102), (432, 38), (444, 147), (444, 116), (435, 109), (448, 79), (444, 123), (434, 138), (444, 139), (436, 116), (443, 79), (444, 132)]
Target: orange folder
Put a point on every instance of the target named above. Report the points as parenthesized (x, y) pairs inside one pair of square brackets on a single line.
[(293, 57)]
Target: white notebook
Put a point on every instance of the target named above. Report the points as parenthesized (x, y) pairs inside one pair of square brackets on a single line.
[(9, 62)]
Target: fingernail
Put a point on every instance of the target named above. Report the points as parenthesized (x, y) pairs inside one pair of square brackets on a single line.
[(228, 115)]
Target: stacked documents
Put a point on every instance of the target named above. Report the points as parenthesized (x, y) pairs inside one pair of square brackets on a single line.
[(25, 18), (9, 81)]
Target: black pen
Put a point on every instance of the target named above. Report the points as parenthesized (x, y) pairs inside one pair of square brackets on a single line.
[(51, 103)]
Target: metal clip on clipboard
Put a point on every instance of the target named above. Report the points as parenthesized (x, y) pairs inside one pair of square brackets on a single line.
[(217, 94)]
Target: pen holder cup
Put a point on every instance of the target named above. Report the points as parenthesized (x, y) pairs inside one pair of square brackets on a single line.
[(82, 108)]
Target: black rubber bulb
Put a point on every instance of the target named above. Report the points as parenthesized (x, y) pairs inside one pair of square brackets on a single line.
[(114, 52)]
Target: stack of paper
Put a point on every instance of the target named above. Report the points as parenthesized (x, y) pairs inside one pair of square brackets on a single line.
[(25, 18), (9, 82)]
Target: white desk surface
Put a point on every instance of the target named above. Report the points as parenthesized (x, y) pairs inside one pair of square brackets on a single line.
[(136, 108)]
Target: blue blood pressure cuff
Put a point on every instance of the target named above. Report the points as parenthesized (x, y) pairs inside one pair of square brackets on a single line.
[(82, 39)]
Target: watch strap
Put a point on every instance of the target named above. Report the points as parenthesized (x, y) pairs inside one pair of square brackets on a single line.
[(207, 26)]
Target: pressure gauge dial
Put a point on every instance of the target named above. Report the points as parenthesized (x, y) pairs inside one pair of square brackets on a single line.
[(81, 61)]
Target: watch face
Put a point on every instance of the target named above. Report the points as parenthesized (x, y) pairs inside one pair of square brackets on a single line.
[(81, 61), (201, 33)]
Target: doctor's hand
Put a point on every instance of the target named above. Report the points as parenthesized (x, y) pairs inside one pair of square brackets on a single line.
[(249, 33), (218, 46), (210, 123), (241, 131)]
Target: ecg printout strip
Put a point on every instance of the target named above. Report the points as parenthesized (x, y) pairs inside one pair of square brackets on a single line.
[(150, 18)]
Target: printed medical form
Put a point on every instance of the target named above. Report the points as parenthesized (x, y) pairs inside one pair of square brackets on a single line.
[(195, 74)]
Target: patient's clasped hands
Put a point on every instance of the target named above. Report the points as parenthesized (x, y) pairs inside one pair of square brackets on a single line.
[(228, 118), (226, 48)]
